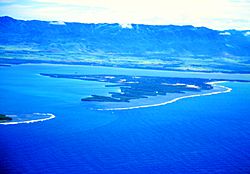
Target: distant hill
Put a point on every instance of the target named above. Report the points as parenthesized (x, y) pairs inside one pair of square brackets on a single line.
[(148, 41), (169, 39)]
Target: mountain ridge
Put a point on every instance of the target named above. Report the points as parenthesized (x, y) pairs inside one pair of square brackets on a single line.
[(69, 41)]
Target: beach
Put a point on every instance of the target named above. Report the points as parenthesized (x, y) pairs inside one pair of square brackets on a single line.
[(164, 100)]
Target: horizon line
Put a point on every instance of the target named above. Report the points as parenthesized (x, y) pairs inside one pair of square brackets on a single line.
[(121, 24)]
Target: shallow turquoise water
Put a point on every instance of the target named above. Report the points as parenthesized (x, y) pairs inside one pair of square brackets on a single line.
[(208, 134)]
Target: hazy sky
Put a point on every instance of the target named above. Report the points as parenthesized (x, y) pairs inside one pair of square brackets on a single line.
[(216, 14)]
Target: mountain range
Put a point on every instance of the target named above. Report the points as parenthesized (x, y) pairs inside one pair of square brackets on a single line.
[(71, 41)]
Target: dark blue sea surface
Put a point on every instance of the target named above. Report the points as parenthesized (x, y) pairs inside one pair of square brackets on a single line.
[(209, 134)]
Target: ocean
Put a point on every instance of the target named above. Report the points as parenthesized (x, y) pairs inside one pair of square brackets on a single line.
[(207, 134)]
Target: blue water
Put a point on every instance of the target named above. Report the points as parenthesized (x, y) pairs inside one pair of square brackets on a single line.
[(208, 134)]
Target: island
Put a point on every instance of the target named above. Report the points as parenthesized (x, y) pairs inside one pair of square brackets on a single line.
[(4, 118), (139, 87)]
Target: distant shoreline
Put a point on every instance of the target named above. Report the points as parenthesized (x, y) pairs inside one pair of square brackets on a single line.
[(9, 62)]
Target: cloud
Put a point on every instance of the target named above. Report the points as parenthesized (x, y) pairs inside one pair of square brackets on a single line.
[(223, 14), (247, 33), (129, 26), (57, 23), (225, 33), (7, 1)]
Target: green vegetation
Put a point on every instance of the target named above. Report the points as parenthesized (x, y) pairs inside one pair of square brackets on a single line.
[(136, 87), (4, 118), (100, 99), (164, 47)]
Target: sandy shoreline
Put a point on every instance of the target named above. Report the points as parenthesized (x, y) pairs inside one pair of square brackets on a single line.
[(51, 116), (225, 90), (218, 89)]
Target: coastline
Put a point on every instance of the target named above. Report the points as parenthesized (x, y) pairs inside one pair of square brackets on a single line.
[(8, 61), (141, 72), (51, 116), (227, 89)]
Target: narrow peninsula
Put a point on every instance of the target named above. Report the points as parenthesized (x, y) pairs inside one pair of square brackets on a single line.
[(139, 87)]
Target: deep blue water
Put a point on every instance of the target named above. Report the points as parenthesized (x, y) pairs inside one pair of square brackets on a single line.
[(208, 134)]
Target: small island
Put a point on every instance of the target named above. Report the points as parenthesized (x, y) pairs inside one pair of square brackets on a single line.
[(139, 87), (4, 118)]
